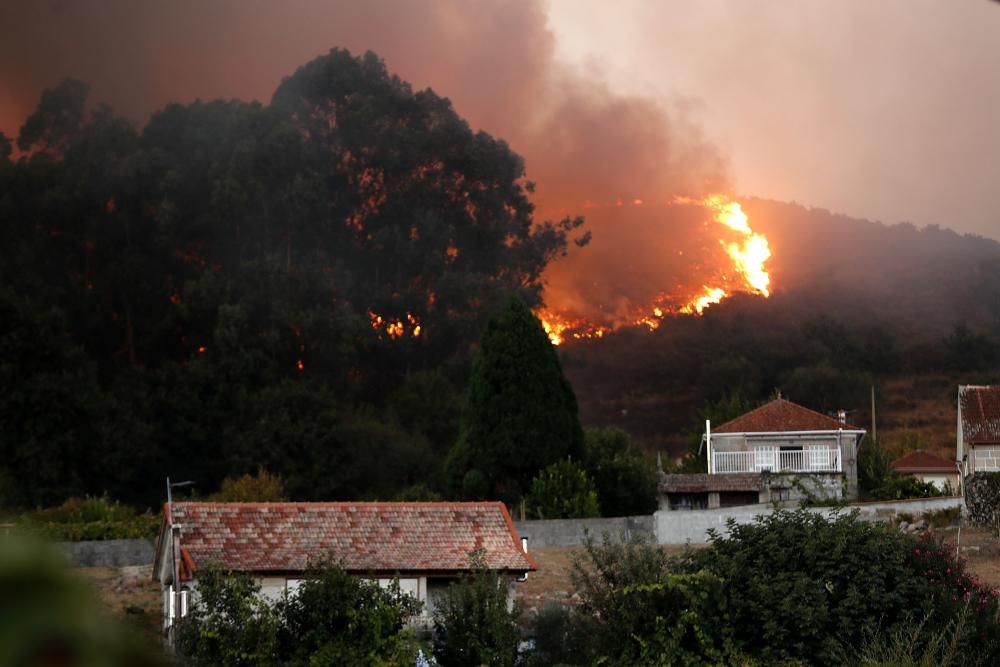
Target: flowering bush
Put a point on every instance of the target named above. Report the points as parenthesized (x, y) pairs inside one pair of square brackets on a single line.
[(953, 588)]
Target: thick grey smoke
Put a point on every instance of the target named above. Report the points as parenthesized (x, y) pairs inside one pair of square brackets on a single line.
[(585, 146)]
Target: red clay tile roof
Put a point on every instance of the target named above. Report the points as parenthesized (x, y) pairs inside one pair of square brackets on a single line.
[(921, 461), (980, 413), (361, 537), (704, 483), (781, 415)]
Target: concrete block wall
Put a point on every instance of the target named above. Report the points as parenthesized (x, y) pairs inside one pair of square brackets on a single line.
[(107, 553), (573, 532), (693, 526)]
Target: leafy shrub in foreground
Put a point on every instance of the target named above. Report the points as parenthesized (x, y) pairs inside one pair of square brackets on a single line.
[(473, 623), (333, 619), (802, 586), (636, 611)]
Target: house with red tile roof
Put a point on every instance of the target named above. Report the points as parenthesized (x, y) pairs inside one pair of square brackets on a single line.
[(928, 467), (780, 451), (978, 434), (425, 545)]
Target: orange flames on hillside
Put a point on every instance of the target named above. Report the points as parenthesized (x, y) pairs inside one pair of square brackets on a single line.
[(410, 326), (748, 254)]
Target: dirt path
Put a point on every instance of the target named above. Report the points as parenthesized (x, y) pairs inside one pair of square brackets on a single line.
[(130, 594)]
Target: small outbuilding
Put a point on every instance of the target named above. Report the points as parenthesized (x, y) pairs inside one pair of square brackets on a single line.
[(928, 467)]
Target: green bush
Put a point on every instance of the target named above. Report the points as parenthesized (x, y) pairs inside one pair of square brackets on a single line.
[(333, 619), (625, 479), (562, 636), (563, 490), (473, 623), (802, 586), (90, 518), (636, 611), (900, 487)]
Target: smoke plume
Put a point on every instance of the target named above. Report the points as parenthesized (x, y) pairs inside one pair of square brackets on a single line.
[(618, 160)]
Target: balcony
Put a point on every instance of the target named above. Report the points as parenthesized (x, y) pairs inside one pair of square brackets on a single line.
[(809, 459)]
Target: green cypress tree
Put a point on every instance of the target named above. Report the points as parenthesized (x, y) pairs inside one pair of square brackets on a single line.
[(520, 413)]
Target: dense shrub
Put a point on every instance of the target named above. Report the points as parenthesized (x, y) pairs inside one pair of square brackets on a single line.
[(333, 619), (561, 635), (474, 624), (90, 518), (878, 481), (562, 490), (625, 479), (636, 611), (899, 487), (799, 585)]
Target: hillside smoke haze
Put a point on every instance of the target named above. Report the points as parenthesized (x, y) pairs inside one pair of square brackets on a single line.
[(619, 159)]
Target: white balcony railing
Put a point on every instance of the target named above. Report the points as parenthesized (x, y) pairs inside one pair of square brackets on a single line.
[(810, 459)]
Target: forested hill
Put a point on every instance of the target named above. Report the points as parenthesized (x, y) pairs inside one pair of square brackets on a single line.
[(300, 286), (921, 281), (296, 286), (855, 304)]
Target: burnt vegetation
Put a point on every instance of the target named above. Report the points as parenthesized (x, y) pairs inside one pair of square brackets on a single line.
[(301, 286)]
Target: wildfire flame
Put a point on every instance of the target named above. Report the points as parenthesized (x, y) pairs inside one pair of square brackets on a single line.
[(395, 328), (700, 303), (748, 254)]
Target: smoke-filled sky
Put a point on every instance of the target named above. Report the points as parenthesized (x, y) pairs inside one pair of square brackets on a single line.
[(884, 110)]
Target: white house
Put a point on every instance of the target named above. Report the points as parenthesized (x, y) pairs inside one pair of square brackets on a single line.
[(779, 452), (978, 441), (426, 545)]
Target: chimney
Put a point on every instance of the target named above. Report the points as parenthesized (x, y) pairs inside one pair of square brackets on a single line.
[(842, 416)]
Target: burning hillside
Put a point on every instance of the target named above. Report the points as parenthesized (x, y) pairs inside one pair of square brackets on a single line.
[(739, 267)]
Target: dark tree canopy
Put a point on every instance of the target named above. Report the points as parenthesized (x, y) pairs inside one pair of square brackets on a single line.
[(520, 413), (232, 258)]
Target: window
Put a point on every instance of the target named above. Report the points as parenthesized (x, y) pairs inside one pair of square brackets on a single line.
[(764, 457), (409, 587), (987, 458)]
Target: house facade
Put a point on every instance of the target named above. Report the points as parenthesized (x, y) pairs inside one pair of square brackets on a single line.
[(779, 452), (930, 468), (978, 434), (426, 545)]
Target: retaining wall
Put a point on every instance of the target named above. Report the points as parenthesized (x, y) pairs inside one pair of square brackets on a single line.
[(573, 532), (681, 527), (107, 553)]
